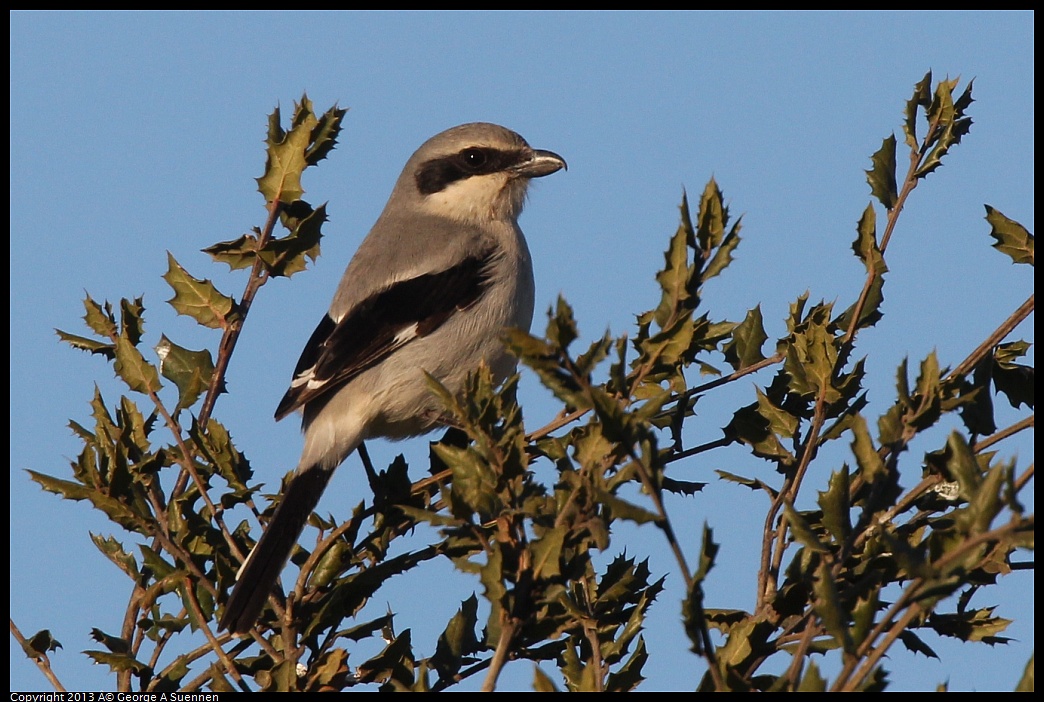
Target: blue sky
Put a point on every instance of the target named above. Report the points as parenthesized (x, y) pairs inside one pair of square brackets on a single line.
[(133, 134)]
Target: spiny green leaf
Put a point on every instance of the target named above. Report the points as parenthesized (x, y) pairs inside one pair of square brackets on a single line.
[(113, 643), (1014, 380), (865, 244), (676, 278), (132, 324), (490, 575), (330, 566), (712, 218), (871, 465), (236, 253), (542, 682), (99, 319), (947, 124), (190, 371), (835, 505), (751, 427), (115, 552), (812, 681), (330, 672), (621, 509), (723, 254), (458, 640), (117, 511), (196, 298), (976, 400), (744, 349), (287, 255), (547, 552), (561, 325), (139, 375), (970, 625), (924, 404), (922, 97), (1012, 238), (119, 662), (866, 249), (216, 444), (752, 483), (811, 357), (682, 487), (708, 554), (913, 642), (802, 531), (324, 134), (881, 176), (309, 140), (629, 675), (101, 348), (830, 609)]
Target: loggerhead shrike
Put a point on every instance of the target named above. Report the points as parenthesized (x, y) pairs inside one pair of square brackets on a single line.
[(443, 272)]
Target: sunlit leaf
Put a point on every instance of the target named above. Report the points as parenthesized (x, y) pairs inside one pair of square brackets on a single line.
[(1011, 237), (197, 298), (882, 175)]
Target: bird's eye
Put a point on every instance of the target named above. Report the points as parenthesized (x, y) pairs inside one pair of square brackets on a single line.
[(474, 158)]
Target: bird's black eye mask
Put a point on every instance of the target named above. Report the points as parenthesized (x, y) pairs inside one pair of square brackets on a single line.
[(435, 175)]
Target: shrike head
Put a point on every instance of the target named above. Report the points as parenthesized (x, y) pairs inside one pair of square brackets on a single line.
[(472, 173)]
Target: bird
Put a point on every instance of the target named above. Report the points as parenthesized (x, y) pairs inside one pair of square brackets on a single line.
[(444, 270)]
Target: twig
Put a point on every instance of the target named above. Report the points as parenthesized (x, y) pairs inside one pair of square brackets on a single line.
[(1003, 434), (496, 663), (257, 278), (993, 339), (215, 643)]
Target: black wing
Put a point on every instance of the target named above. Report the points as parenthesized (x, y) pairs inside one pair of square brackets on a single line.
[(387, 320)]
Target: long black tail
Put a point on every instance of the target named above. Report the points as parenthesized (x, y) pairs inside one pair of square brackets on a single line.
[(264, 564)]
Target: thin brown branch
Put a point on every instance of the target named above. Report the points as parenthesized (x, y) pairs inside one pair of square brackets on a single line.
[(508, 629), (257, 278), (558, 422), (797, 659), (983, 349), (1003, 434), (702, 448), (596, 656), (215, 642), (188, 464), (731, 377), (1026, 476), (878, 651), (664, 522), (893, 217), (772, 558)]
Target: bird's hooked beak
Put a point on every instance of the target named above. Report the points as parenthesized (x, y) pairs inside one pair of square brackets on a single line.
[(540, 164)]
